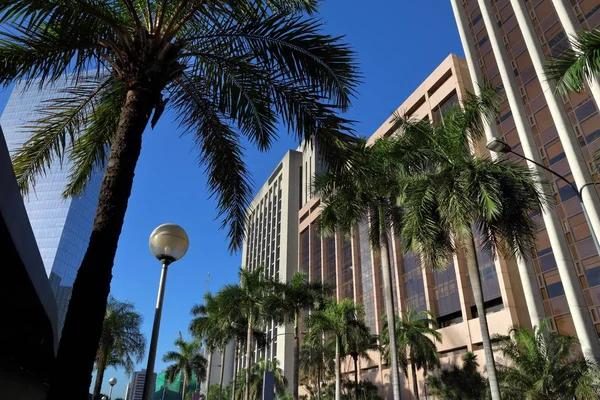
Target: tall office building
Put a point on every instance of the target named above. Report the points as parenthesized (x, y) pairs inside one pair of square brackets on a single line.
[(62, 227), (272, 243), (354, 269), (507, 42), (135, 387)]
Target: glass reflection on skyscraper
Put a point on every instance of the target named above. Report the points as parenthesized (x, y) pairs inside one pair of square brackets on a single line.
[(62, 227)]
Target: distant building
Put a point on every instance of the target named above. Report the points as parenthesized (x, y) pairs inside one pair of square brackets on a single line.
[(135, 388), (62, 227)]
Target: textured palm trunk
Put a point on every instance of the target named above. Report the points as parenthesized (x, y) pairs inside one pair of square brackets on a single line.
[(415, 383), (183, 389), (296, 355), (235, 370), (222, 375), (319, 382), (248, 359), (87, 306), (101, 367), (475, 279), (209, 372), (338, 380), (389, 306), (355, 377)]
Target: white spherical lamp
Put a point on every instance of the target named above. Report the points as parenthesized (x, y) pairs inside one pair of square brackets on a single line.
[(169, 242)]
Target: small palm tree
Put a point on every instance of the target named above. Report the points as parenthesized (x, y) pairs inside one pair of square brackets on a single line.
[(358, 344), (317, 359), (577, 64), (338, 320), (366, 189), (452, 192), (416, 335), (257, 374), (187, 361), (456, 383), (249, 300), (545, 365), (122, 343), (291, 298), (228, 70)]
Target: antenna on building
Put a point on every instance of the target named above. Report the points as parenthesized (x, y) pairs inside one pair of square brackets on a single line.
[(207, 281)]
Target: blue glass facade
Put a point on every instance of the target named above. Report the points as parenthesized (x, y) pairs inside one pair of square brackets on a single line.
[(62, 227)]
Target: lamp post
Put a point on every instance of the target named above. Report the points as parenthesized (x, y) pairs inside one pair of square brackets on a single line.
[(112, 382), (498, 146), (168, 243)]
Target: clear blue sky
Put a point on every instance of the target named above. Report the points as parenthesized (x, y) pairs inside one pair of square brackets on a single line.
[(398, 44)]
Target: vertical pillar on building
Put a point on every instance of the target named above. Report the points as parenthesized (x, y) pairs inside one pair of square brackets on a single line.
[(574, 294), (339, 261), (531, 290), (571, 26)]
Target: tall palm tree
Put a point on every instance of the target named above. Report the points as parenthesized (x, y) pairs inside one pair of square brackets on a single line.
[(122, 343), (251, 301), (459, 383), (358, 344), (452, 192), (240, 329), (227, 69), (542, 364), (292, 298), (416, 335), (187, 361), (577, 64), (366, 189), (317, 359), (338, 319)]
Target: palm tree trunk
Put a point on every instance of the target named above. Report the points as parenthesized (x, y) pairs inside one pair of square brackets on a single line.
[(235, 370), (222, 371), (415, 384), (319, 381), (248, 359), (183, 389), (475, 279), (208, 372), (101, 367), (77, 352), (355, 377), (296, 355), (338, 378), (389, 304)]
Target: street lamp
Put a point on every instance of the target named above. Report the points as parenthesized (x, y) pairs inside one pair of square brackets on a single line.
[(498, 146), (104, 398), (168, 243), (112, 382)]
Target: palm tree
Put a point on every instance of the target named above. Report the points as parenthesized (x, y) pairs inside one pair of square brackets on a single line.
[(451, 192), (187, 361), (577, 64), (338, 320), (316, 359), (291, 298), (122, 343), (544, 365), (227, 69), (366, 188), (257, 374), (212, 325), (456, 383), (240, 329), (416, 335), (250, 300), (358, 343)]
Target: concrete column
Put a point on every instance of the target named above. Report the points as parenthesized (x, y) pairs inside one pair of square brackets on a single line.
[(574, 294), (531, 289), (578, 166), (571, 26)]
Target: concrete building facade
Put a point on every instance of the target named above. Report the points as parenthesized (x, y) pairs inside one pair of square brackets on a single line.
[(135, 387)]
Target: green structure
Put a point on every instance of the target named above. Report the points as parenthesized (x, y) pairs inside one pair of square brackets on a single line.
[(172, 391)]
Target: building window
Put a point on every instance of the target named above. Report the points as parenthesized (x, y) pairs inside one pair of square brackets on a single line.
[(593, 276), (305, 247), (555, 290)]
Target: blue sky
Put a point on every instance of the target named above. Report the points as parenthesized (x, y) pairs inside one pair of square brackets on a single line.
[(398, 44)]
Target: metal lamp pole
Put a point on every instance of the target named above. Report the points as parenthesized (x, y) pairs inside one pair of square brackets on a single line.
[(112, 382), (498, 146), (168, 243)]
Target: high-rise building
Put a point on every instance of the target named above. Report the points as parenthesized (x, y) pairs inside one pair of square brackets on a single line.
[(62, 227), (507, 43), (135, 387), (272, 243)]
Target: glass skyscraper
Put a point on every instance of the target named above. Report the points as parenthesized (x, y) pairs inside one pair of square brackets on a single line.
[(62, 227)]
